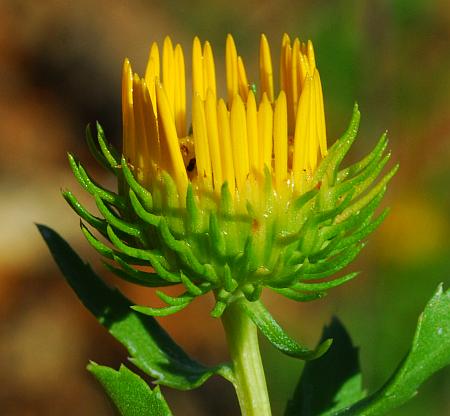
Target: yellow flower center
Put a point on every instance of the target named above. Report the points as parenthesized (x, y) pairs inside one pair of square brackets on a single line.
[(234, 140)]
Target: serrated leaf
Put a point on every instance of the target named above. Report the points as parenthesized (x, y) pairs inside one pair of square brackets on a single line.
[(276, 334), (150, 347), (130, 394), (429, 353), (331, 382)]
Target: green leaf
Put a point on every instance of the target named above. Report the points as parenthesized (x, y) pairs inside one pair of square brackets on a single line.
[(131, 395), (333, 381), (276, 335), (429, 353), (150, 347)]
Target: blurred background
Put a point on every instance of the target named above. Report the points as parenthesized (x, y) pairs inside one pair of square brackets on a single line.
[(60, 66)]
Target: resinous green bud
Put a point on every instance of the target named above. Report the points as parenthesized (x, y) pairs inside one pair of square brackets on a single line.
[(251, 198)]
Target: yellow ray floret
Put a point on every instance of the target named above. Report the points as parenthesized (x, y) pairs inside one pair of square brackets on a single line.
[(213, 139), (279, 139), (265, 128), (170, 147), (200, 131), (197, 68), (242, 79), (226, 153), (209, 69), (252, 133), (128, 111), (152, 72), (265, 68), (231, 61), (239, 142), (168, 71), (179, 103), (232, 140)]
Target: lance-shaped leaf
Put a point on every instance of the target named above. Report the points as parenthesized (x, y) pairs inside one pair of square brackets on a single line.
[(429, 353), (130, 394), (150, 347), (277, 336), (333, 381)]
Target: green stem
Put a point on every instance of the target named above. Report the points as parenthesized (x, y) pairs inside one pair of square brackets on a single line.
[(249, 382)]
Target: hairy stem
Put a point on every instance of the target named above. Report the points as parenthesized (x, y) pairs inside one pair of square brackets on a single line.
[(250, 382)]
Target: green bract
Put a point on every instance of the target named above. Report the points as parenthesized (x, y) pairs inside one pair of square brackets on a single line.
[(206, 243)]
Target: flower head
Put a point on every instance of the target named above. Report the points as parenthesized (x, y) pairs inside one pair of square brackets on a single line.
[(244, 196), (235, 139)]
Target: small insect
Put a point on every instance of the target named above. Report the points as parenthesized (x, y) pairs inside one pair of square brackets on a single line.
[(191, 165)]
